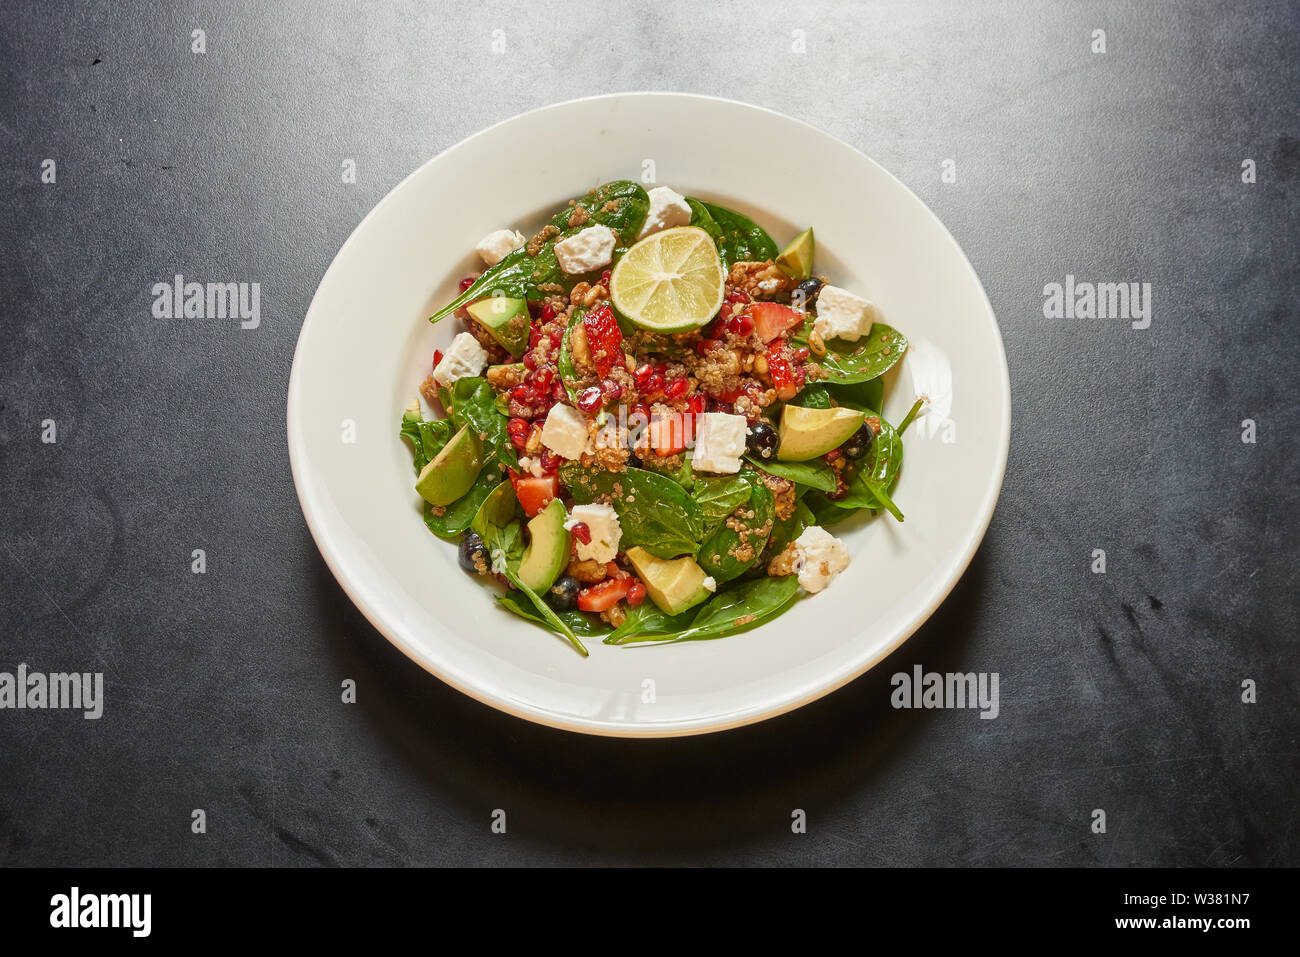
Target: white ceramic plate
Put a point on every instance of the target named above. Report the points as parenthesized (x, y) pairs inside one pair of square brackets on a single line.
[(366, 344)]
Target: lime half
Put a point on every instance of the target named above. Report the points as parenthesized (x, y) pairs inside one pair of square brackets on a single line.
[(672, 281)]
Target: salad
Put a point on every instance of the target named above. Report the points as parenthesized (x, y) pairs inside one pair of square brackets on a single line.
[(650, 419)]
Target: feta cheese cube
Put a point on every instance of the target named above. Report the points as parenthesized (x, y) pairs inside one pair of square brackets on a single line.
[(822, 556), (587, 250), (565, 431), (710, 583), (719, 442), (530, 465), (667, 208), (602, 523), (495, 246), (842, 315), (465, 357)]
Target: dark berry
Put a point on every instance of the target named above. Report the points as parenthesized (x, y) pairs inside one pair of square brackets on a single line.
[(563, 595), (474, 555), (762, 441), (859, 443), (808, 291)]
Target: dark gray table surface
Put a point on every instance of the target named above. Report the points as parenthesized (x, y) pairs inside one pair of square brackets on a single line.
[(1120, 692)]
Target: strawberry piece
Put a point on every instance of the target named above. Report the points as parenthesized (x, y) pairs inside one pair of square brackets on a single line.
[(787, 378), (669, 433), (772, 319), (604, 595), (604, 339), (535, 493)]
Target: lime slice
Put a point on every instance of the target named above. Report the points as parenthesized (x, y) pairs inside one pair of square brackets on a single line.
[(671, 281), (796, 259)]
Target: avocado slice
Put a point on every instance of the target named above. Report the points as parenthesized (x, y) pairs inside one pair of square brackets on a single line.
[(453, 470), (673, 584), (547, 553), (807, 433), (797, 258), (507, 320)]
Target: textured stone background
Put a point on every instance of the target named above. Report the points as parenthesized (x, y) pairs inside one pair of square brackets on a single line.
[(1119, 691)]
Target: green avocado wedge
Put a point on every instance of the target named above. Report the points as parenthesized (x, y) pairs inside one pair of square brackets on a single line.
[(547, 553), (507, 319), (453, 470), (796, 259), (807, 433), (673, 584)]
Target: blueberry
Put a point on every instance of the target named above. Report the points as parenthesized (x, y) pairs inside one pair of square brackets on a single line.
[(563, 595), (762, 440), (807, 292), (473, 555), (859, 443)]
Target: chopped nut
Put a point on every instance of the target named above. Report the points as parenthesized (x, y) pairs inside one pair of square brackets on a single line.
[(587, 570), (816, 344), (786, 563)]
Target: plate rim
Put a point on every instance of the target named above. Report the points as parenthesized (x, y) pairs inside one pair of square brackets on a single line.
[(811, 690)]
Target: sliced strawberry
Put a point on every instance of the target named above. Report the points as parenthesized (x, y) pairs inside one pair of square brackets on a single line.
[(534, 493), (604, 339), (772, 319), (787, 377), (604, 595), (670, 433)]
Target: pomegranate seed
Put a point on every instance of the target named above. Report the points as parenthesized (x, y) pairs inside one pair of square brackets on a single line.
[(530, 361), (548, 312), (642, 375), (697, 403), (590, 400), (544, 379), (611, 388), (517, 426), (437, 357), (520, 393), (581, 532), (467, 282), (743, 324), (800, 354), (841, 489), (555, 335), (635, 594), (642, 410), (604, 279), (557, 392), (654, 384), (676, 389), (550, 462)]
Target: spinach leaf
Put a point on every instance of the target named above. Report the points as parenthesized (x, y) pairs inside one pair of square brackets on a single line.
[(646, 619), (410, 431), (825, 512), (497, 523), (736, 545), (787, 530), (814, 473), (848, 362), (568, 372), (653, 510), (719, 496), (578, 622), (871, 480), (424, 438), (548, 614), (813, 397), (473, 403), (456, 517), (733, 610), (739, 238), (521, 276)]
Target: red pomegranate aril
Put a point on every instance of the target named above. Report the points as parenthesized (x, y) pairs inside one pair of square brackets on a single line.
[(655, 383), (604, 279), (557, 392), (800, 354), (530, 361), (676, 389), (437, 357), (611, 389), (581, 532), (635, 594), (548, 312), (544, 379), (517, 426), (697, 403), (743, 324), (550, 461), (590, 400), (467, 282), (705, 346), (521, 393), (642, 375)]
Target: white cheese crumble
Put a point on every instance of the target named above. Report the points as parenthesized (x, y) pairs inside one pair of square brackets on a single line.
[(710, 584), (602, 523), (496, 245), (565, 431), (667, 208), (842, 315), (822, 556), (585, 251), (465, 357), (719, 442)]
